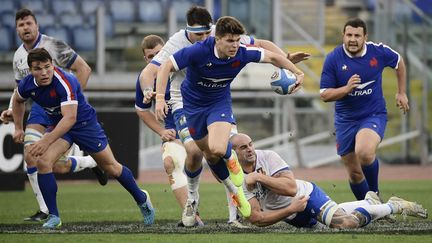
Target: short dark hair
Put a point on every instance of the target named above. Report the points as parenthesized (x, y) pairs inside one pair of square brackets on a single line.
[(38, 55), (198, 15), (356, 23), (24, 12), (229, 25), (151, 41)]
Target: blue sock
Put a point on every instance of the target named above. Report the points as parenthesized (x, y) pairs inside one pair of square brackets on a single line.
[(365, 213), (192, 174), (228, 151), (31, 170), (48, 187), (74, 164), (128, 182), (220, 169), (371, 173), (360, 189)]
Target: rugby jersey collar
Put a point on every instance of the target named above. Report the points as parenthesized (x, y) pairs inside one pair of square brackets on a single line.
[(351, 56)]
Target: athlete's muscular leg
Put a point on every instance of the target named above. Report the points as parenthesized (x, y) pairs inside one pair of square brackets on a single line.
[(367, 141), (217, 141), (194, 156), (46, 161), (353, 167), (106, 160), (180, 193)]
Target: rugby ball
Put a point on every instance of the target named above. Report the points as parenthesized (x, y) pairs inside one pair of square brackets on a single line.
[(283, 81)]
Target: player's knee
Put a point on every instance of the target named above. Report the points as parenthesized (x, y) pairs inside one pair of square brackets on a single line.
[(365, 155), (61, 167), (168, 165), (113, 169), (356, 176), (217, 150)]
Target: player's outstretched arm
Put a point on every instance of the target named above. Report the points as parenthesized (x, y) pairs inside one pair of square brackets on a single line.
[(268, 217), (294, 57), (282, 183), (161, 108), (149, 119), (82, 71), (18, 110), (401, 97), (281, 62), (147, 77)]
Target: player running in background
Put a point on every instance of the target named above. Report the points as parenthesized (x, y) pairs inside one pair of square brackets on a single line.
[(352, 76), (275, 195), (73, 121), (173, 152), (199, 27), (211, 67), (28, 31)]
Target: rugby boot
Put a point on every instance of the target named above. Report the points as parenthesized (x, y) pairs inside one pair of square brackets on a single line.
[(147, 210), (407, 208), (235, 171), (52, 222)]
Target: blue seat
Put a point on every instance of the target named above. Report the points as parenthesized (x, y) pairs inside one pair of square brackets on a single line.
[(84, 39), (109, 26), (181, 7), (7, 6), (59, 32), (89, 6), (60, 7), (6, 38), (151, 11), (239, 9), (36, 6), (8, 19), (72, 20), (45, 20), (122, 11)]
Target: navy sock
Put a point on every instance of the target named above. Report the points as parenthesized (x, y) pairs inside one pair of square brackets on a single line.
[(360, 189), (128, 182), (48, 188), (192, 174), (371, 173), (228, 151), (74, 164), (220, 169), (365, 213), (31, 170)]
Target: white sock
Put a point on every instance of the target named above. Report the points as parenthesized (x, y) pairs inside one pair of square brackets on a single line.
[(35, 186), (83, 162), (378, 211), (229, 185), (231, 208), (193, 186), (350, 206)]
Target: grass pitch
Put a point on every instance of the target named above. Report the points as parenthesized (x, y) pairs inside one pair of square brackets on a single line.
[(94, 213)]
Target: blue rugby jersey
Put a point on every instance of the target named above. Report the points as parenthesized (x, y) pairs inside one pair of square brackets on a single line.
[(208, 78), (63, 90), (367, 98)]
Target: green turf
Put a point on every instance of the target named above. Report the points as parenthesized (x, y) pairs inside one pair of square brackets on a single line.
[(109, 214)]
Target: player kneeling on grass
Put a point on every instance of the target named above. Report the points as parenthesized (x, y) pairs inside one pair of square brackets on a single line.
[(275, 195), (75, 121)]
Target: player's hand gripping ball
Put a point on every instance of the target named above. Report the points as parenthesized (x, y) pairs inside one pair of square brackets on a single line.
[(283, 81)]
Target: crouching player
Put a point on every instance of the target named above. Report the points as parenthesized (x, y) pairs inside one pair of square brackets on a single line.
[(276, 196), (75, 121)]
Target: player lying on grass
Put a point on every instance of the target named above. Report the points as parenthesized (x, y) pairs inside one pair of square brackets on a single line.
[(74, 121), (275, 195)]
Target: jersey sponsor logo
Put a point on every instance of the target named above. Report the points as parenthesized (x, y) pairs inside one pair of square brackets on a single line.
[(53, 110), (373, 62), (360, 91), (212, 85)]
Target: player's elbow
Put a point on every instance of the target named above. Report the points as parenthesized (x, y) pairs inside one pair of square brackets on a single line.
[(256, 219)]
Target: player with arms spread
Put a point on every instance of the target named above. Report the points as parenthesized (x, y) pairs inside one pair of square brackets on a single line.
[(211, 67)]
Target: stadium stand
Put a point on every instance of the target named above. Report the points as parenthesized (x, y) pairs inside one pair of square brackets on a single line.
[(72, 20), (7, 6), (37, 6), (150, 11), (60, 7), (84, 38), (6, 38), (59, 32), (122, 11), (8, 19)]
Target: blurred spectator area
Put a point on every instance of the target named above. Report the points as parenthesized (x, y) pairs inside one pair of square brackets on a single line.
[(74, 21), (126, 22)]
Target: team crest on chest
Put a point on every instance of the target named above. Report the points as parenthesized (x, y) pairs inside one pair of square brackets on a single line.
[(373, 62)]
